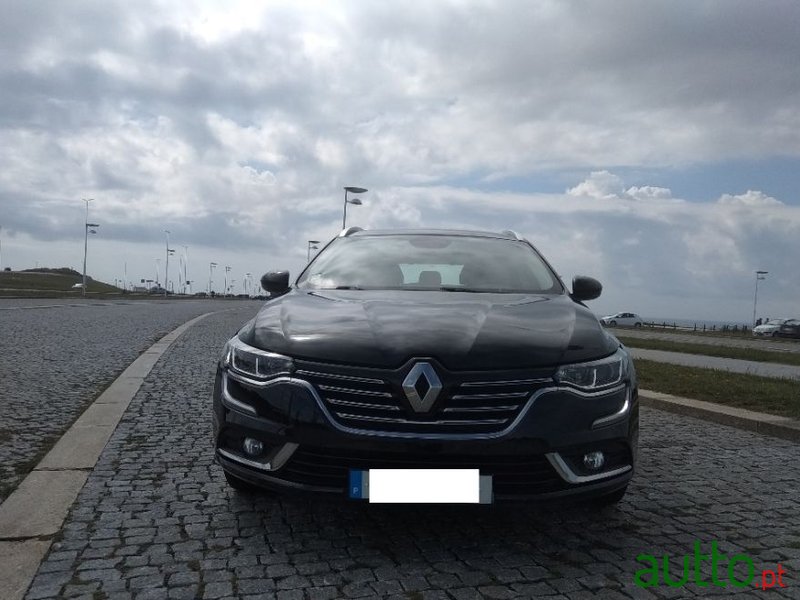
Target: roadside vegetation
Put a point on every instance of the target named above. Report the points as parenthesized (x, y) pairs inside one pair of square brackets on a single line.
[(49, 282), (754, 354), (763, 394), (719, 332)]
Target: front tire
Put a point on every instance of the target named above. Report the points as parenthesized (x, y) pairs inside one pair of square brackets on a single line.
[(637, 325), (613, 323)]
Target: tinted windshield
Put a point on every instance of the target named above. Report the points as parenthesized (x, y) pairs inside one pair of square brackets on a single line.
[(430, 262)]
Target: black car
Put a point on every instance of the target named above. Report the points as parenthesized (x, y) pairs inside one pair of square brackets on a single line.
[(428, 349), (789, 329)]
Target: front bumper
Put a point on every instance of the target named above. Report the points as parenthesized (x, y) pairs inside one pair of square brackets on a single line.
[(538, 458)]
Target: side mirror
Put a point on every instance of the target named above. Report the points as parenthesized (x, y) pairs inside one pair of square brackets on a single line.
[(275, 282), (585, 288)]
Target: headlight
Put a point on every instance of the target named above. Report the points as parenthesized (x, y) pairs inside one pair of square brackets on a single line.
[(252, 362), (596, 374)]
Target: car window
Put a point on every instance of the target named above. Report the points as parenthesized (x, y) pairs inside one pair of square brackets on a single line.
[(430, 262)]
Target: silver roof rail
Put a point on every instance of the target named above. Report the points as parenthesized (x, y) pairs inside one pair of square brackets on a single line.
[(513, 234), (350, 231)]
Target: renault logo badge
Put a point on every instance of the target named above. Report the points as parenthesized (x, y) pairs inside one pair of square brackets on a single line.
[(422, 387)]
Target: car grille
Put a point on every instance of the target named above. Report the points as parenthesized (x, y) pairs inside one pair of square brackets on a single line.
[(469, 403), (512, 475)]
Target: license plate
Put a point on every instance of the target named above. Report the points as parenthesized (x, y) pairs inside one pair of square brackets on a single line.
[(421, 486)]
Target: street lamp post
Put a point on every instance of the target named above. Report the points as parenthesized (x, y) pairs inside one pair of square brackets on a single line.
[(166, 265), (211, 276), (87, 229), (352, 190), (225, 289), (185, 268), (760, 276), (312, 245)]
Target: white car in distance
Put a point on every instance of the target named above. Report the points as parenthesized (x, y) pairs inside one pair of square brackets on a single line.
[(769, 329), (623, 319)]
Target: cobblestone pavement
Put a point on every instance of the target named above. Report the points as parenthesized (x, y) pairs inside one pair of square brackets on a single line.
[(57, 355), (156, 520)]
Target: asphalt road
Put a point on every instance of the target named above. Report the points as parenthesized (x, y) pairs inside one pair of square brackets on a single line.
[(56, 356), (156, 519), (734, 365), (773, 345)]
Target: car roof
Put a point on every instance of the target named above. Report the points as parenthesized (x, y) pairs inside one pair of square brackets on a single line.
[(506, 235)]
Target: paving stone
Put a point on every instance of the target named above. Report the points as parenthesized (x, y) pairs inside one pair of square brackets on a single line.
[(102, 338), (156, 480)]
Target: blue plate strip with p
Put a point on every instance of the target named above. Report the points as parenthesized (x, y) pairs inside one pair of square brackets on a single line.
[(359, 485)]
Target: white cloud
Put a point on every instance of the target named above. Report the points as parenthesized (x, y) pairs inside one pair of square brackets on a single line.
[(601, 185), (236, 125), (752, 199), (649, 192)]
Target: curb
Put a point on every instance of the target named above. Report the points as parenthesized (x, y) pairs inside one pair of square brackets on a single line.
[(36, 510), (772, 425)]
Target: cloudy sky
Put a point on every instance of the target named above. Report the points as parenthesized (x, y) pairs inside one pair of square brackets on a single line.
[(654, 145)]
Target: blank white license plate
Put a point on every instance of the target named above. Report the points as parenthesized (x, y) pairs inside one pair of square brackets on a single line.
[(429, 486)]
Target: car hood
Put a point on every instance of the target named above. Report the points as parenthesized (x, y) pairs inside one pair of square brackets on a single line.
[(461, 330)]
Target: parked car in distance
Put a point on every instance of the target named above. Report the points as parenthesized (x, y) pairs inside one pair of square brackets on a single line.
[(423, 349), (789, 329), (770, 328), (77, 286), (623, 319)]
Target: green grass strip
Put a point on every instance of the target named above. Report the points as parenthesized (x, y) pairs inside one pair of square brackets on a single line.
[(754, 354), (763, 394)]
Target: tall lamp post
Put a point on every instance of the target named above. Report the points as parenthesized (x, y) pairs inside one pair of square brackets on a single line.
[(211, 275), (225, 290), (350, 190), (166, 265), (88, 228), (312, 245), (760, 276), (185, 268)]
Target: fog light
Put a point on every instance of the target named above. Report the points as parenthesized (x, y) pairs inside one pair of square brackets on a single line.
[(253, 447), (593, 460)]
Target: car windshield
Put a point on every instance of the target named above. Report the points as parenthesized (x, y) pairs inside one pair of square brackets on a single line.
[(430, 262)]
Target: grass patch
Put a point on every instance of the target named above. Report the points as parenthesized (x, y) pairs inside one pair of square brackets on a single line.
[(754, 354), (763, 394), (49, 281)]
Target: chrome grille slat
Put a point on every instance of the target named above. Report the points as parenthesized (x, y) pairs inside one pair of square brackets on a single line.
[(480, 408), (509, 382), (332, 388), (425, 423), (339, 376), (364, 405), (488, 396)]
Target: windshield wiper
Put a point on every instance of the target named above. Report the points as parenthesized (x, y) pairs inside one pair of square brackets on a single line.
[(348, 287), (446, 288)]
